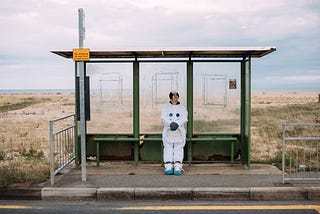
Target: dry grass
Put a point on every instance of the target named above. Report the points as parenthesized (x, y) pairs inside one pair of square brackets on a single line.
[(24, 131), (270, 111), (24, 134)]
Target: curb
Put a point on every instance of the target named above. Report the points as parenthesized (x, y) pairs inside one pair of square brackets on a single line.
[(162, 193), (49, 193), (276, 193), (221, 193), (123, 193), (182, 193)]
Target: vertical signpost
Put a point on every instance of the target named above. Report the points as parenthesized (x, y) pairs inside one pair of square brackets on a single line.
[(82, 99)]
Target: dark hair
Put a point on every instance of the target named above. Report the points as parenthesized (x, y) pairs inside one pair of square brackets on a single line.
[(172, 93)]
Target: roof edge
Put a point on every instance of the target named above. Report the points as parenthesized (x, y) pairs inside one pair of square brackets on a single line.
[(214, 52)]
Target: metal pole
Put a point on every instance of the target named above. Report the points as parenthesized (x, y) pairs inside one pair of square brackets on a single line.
[(245, 128), (82, 99), (283, 151), (190, 108), (136, 111), (242, 111), (76, 129), (249, 111), (51, 154), (82, 30)]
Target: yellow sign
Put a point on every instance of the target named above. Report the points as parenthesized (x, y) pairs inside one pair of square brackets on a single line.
[(82, 54)]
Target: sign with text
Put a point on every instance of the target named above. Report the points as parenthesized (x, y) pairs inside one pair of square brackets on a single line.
[(232, 84), (81, 54)]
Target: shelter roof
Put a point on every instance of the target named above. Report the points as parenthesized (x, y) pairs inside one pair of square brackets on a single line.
[(211, 52)]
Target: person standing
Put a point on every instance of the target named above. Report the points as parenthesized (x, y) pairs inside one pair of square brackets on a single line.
[(174, 116)]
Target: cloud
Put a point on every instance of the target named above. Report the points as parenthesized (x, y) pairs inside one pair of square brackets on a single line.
[(30, 29)]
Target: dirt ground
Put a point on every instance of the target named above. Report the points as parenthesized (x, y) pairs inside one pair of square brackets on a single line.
[(27, 125)]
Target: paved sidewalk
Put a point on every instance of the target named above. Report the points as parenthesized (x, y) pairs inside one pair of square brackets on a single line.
[(125, 181), (152, 175)]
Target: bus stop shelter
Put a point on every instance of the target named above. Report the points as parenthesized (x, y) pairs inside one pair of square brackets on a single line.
[(193, 72)]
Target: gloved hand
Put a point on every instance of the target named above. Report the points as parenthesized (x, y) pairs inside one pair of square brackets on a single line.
[(174, 126)]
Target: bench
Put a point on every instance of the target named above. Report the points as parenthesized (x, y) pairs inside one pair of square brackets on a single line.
[(99, 140), (232, 141)]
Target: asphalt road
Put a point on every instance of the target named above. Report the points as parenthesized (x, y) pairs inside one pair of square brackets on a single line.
[(92, 207)]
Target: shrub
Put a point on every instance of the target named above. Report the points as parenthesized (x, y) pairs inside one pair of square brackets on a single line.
[(23, 173)]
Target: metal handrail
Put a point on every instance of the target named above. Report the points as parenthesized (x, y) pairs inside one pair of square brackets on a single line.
[(61, 141), (284, 139)]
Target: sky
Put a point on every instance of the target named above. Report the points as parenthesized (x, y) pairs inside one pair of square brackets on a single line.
[(30, 29)]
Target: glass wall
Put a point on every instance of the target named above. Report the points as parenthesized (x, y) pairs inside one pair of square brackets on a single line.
[(111, 102), (216, 97), (216, 103), (156, 81)]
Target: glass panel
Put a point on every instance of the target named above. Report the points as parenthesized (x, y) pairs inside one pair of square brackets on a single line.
[(110, 98), (156, 81), (216, 97)]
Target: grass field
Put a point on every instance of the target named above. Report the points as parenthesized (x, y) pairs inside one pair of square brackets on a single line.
[(24, 130)]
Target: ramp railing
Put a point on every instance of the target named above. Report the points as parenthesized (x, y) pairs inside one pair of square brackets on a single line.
[(300, 152), (62, 143)]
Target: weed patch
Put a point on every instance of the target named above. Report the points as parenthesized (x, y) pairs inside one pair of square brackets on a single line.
[(267, 127), (215, 126), (16, 106), (23, 173)]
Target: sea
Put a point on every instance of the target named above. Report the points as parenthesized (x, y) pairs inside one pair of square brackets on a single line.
[(37, 91), (72, 91)]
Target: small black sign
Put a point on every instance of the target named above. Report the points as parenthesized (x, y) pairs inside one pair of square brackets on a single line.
[(232, 84)]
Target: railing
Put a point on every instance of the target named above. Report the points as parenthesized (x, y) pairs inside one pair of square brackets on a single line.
[(62, 143), (300, 155)]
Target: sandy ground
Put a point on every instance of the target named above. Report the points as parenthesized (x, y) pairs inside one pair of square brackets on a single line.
[(29, 126), (268, 99)]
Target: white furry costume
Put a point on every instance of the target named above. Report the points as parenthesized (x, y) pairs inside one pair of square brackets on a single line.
[(174, 141)]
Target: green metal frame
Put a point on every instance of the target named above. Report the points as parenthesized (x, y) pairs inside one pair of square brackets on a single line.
[(190, 108), (136, 109), (245, 119)]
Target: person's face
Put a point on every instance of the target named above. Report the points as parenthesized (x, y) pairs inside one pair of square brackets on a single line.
[(175, 98)]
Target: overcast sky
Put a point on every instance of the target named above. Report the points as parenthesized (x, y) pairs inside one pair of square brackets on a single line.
[(30, 29)]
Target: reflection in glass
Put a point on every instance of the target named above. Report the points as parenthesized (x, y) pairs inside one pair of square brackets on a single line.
[(216, 105), (110, 98), (156, 81)]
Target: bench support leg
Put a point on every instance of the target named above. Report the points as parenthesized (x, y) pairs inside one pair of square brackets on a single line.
[(98, 153), (232, 153)]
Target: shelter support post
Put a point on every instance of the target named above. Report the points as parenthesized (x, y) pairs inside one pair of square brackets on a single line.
[(245, 128), (136, 112), (189, 108)]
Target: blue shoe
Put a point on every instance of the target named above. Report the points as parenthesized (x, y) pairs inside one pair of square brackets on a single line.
[(177, 172), (178, 168), (168, 171)]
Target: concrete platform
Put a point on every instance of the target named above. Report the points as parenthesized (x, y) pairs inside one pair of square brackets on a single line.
[(126, 181)]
